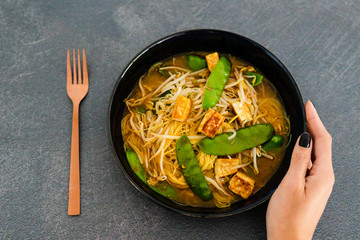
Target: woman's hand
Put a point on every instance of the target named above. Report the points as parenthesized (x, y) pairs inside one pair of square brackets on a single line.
[(298, 203)]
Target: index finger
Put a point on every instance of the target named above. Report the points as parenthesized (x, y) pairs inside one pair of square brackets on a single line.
[(322, 139)]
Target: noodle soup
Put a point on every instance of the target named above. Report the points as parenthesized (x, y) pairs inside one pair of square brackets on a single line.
[(205, 129)]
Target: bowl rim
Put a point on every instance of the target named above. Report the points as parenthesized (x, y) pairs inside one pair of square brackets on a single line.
[(139, 55)]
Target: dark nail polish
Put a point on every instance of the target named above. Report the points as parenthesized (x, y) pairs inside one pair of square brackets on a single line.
[(305, 140)]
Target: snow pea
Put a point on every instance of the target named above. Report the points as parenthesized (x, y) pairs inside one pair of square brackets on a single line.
[(196, 63), (258, 78), (165, 190), (164, 72), (135, 164), (161, 188), (191, 170), (245, 138), (141, 109), (274, 143), (216, 83)]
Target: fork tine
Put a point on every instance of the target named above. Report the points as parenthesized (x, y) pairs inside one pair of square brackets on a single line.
[(79, 67), (74, 57), (69, 80), (85, 70)]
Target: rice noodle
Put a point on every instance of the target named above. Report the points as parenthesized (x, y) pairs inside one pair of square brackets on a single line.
[(177, 137), (232, 136), (174, 67), (141, 88), (197, 72), (255, 160), (241, 166), (267, 156), (162, 163), (216, 185)]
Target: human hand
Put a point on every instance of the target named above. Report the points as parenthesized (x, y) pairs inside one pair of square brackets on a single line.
[(297, 205)]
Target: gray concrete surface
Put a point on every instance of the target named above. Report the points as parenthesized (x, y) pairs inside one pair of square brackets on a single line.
[(319, 41)]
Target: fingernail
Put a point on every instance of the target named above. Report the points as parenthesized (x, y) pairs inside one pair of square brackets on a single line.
[(305, 140)]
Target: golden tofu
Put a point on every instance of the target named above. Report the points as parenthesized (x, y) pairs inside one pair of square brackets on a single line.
[(182, 108), (242, 185), (211, 60), (225, 166), (211, 123), (242, 111), (207, 116)]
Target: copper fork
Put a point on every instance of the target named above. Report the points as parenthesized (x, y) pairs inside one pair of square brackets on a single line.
[(77, 89)]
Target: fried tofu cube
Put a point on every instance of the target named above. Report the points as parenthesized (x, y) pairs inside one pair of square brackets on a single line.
[(182, 108), (211, 123), (211, 60), (225, 166), (242, 111), (242, 185)]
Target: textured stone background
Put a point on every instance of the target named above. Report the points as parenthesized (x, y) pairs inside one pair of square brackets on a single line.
[(319, 41)]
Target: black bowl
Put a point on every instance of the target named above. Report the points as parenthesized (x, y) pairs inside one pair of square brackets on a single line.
[(209, 41)]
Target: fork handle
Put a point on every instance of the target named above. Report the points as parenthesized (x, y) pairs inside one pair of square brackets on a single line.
[(74, 182)]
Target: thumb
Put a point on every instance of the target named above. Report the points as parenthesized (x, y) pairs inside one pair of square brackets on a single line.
[(301, 157)]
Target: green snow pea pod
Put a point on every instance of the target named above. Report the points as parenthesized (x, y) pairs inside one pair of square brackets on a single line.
[(195, 63), (163, 189), (274, 143), (245, 138), (166, 74), (141, 109), (163, 72), (135, 164), (257, 80), (191, 170), (216, 83)]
